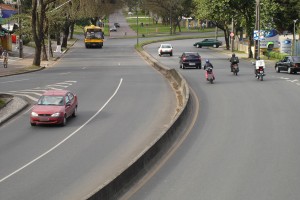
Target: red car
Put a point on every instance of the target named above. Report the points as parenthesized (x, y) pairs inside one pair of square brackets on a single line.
[(54, 107)]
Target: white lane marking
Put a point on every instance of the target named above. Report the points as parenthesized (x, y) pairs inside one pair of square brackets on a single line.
[(57, 86), (15, 81), (68, 137), (65, 73), (24, 95), (71, 81), (53, 88), (84, 68), (293, 81), (284, 78), (33, 90), (63, 83), (27, 92)]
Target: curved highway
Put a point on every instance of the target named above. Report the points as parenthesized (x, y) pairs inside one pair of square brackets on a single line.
[(245, 143), (123, 105)]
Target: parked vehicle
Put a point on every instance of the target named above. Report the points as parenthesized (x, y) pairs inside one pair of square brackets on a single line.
[(165, 49), (291, 64), (190, 59), (208, 43), (54, 107)]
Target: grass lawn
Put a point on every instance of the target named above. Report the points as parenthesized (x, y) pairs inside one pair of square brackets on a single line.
[(147, 27), (2, 102)]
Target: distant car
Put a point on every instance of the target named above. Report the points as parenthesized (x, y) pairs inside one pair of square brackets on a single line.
[(54, 107), (291, 64), (165, 49), (117, 25), (190, 59), (208, 43), (113, 29)]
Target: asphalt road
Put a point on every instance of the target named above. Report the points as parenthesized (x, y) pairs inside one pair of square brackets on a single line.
[(123, 105), (245, 143)]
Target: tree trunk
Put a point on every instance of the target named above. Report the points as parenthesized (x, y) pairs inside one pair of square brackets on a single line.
[(44, 50), (66, 31), (72, 29)]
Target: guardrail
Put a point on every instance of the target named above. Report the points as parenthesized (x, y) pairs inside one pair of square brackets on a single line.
[(140, 166)]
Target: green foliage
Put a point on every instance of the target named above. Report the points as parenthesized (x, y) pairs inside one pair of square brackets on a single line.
[(275, 54), (2, 102)]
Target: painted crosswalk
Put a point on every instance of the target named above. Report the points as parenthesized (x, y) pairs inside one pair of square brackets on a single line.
[(34, 93)]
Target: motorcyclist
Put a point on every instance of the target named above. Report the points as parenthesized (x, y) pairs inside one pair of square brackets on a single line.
[(256, 66), (233, 60), (208, 67), (207, 64)]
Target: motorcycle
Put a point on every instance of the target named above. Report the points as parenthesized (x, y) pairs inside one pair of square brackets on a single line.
[(235, 69), (260, 73), (210, 75), (260, 69)]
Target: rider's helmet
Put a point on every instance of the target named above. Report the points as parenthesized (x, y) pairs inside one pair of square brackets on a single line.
[(233, 55), (207, 61)]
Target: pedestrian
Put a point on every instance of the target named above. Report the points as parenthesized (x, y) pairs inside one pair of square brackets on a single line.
[(5, 58)]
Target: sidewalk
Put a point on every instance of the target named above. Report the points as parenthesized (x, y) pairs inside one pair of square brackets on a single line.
[(18, 65)]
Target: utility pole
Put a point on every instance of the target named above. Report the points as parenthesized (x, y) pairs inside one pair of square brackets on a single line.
[(232, 35), (137, 24), (257, 27), (294, 38), (20, 30)]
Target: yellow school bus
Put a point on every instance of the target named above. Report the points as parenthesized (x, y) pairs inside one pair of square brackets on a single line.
[(93, 36)]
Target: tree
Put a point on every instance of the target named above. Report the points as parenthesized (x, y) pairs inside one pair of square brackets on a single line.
[(171, 11), (242, 12)]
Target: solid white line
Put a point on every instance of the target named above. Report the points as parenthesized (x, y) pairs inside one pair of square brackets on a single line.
[(64, 140)]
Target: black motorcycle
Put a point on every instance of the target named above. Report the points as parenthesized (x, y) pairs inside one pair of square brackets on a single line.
[(235, 69), (260, 73)]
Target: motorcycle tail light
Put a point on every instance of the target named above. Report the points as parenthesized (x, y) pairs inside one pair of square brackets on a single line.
[(184, 58), (261, 68)]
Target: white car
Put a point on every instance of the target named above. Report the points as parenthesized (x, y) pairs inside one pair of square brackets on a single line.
[(165, 49)]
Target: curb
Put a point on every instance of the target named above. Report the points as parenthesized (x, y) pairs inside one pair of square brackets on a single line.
[(12, 108)]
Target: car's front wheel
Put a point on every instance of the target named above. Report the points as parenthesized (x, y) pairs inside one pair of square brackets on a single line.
[(290, 70), (198, 46), (64, 122), (75, 112), (277, 69)]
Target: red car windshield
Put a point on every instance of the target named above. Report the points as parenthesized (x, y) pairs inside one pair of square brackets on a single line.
[(51, 100)]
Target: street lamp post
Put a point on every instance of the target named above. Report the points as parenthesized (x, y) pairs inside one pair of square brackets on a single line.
[(137, 24), (20, 31), (257, 26), (294, 36)]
